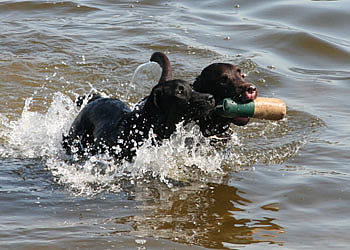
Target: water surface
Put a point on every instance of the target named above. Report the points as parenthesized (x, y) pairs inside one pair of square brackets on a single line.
[(275, 185)]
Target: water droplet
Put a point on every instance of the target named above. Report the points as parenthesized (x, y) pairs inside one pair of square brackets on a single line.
[(261, 80), (141, 241)]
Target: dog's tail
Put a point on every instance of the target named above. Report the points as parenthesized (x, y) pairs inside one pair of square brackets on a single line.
[(164, 63)]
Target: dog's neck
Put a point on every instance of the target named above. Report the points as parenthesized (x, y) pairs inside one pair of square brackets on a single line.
[(136, 129), (146, 117), (139, 122)]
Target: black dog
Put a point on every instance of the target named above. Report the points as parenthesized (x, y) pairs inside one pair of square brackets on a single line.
[(223, 80), (108, 125)]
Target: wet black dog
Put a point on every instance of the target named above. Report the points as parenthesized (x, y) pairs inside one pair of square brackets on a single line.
[(223, 80), (108, 125)]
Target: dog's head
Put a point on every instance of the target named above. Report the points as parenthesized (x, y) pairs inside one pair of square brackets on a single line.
[(176, 101), (224, 80)]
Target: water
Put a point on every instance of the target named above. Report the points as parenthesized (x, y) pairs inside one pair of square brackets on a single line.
[(275, 185)]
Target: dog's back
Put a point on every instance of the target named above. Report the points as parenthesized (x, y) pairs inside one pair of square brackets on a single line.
[(96, 127)]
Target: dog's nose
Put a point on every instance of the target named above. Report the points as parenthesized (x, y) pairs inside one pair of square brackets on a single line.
[(251, 89), (211, 99), (250, 93)]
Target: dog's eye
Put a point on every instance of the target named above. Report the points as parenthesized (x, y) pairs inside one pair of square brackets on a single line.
[(239, 71), (180, 90), (223, 80)]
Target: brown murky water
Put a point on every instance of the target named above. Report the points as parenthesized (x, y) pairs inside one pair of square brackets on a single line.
[(275, 185)]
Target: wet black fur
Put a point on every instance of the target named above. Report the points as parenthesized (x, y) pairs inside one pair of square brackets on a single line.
[(109, 125)]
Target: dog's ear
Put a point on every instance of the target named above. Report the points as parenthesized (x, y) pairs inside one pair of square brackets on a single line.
[(157, 96), (197, 84)]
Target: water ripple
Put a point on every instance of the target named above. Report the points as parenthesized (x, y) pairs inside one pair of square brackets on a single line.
[(37, 7)]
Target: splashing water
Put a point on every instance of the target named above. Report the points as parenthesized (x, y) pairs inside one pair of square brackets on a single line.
[(147, 72), (37, 135), (187, 156), (146, 76)]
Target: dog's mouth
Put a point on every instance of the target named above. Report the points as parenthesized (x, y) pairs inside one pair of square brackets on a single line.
[(202, 110), (240, 121), (249, 94)]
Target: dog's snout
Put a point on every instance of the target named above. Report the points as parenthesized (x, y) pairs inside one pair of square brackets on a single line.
[(211, 99), (251, 89), (250, 93)]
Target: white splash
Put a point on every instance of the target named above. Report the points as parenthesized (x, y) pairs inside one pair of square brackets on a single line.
[(186, 156), (37, 135), (146, 75)]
